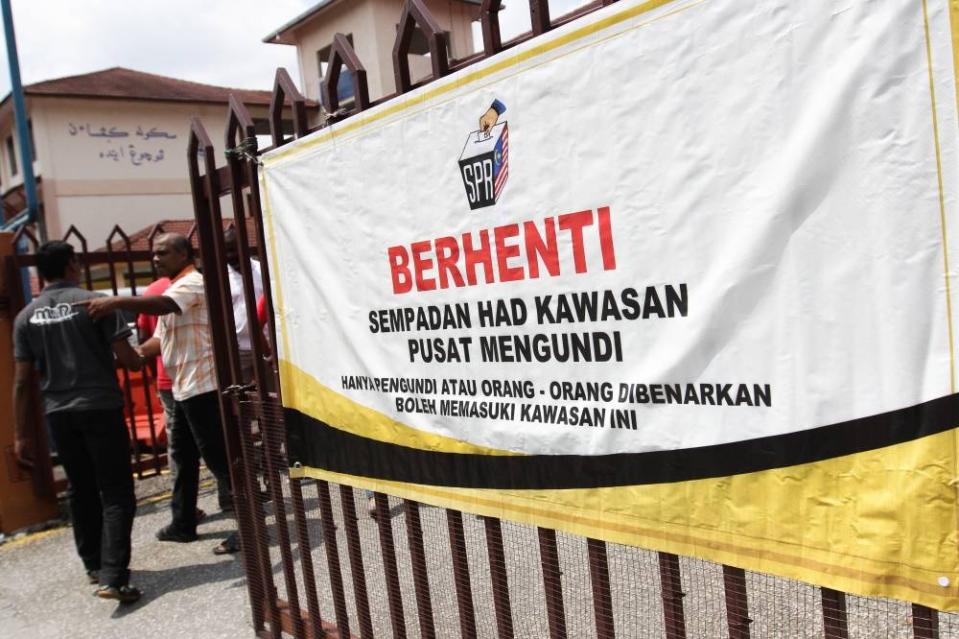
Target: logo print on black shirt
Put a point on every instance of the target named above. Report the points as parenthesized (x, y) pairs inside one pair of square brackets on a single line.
[(53, 314)]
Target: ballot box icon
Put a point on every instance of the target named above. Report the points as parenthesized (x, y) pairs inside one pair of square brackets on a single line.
[(484, 165)]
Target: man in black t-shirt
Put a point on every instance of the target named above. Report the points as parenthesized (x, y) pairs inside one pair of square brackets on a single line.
[(74, 356)]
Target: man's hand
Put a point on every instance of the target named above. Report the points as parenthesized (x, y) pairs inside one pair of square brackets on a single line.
[(488, 120), (97, 307), (24, 422), (126, 355), (149, 349), (23, 450)]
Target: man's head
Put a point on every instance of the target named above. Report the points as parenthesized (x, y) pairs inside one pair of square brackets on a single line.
[(232, 253), (172, 252), (56, 261)]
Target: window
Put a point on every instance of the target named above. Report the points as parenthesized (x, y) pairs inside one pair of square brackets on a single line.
[(261, 127), (419, 54), (344, 84), (12, 155), (419, 45)]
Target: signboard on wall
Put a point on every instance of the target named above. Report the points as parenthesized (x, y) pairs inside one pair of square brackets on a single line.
[(686, 285)]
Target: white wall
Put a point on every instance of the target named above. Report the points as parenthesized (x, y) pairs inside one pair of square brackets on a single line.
[(95, 177)]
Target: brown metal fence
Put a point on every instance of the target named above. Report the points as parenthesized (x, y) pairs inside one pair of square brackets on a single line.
[(319, 565)]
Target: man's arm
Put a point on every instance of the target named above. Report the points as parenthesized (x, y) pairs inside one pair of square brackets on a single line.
[(128, 357), (150, 348), (23, 439), (97, 307)]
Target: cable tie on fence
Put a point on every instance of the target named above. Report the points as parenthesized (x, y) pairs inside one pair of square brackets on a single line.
[(236, 389), (245, 150), (328, 116)]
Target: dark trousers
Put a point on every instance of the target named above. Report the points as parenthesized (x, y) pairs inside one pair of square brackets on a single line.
[(198, 433), (94, 449), (224, 495)]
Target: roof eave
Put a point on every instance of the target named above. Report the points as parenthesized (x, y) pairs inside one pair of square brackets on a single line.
[(279, 35)]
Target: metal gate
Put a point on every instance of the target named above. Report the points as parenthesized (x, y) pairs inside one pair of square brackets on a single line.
[(318, 565), (119, 266)]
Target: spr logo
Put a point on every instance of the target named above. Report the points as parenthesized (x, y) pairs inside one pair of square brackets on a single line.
[(484, 162)]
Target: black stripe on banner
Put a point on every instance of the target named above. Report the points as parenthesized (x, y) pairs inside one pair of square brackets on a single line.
[(316, 444)]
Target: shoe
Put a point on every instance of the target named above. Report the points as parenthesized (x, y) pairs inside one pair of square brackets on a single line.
[(200, 515), (169, 533), (123, 594), (228, 546), (93, 576), (371, 507)]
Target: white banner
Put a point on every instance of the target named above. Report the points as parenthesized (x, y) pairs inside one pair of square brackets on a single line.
[(668, 242)]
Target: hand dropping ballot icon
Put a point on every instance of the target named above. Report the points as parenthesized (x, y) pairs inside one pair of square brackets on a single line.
[(484, 162)]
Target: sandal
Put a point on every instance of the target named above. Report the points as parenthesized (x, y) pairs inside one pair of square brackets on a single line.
[(228, 546)]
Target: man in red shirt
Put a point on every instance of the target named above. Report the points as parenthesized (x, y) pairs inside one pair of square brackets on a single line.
[(146, 324)]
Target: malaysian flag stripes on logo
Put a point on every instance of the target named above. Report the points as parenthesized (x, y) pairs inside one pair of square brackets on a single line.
[(501, 168)]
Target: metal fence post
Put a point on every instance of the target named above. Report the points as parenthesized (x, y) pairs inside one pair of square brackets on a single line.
[(461, 574), (673, 594), (498, 577), (925, 622), (385, 527), (552, 583), (602, 597), (737, 603), (421, 580), (835, 623)]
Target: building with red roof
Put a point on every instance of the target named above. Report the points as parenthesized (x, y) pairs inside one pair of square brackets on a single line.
[(110, 148)]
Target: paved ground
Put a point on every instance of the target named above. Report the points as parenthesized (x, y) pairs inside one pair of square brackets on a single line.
[(188, 591)]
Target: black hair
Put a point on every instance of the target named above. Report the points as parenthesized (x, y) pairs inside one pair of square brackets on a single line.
[(181, 244), (53, 259)]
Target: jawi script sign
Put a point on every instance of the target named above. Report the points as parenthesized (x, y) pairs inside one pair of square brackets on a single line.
[(688, 285)]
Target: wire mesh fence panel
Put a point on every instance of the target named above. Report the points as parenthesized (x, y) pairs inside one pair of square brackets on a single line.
[(481, 588), (407, 572), (351, 565), (372, 552), (783, 608), (337, 601), (636, 592), (322, 527), (777, 608), (524, 571), (314, 523), (704, 603), (577, 585), (948, 625), (869, 618), (439, 559)]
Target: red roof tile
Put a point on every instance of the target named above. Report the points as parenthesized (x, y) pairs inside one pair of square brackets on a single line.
[(119, 82)]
